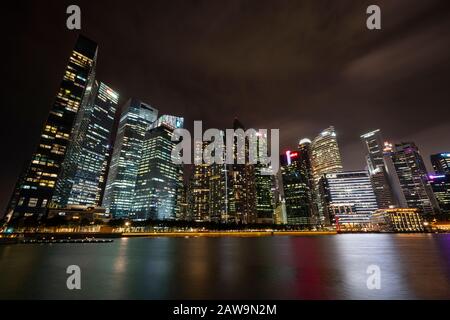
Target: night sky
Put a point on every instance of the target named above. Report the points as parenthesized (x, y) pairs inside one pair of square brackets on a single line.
[(299, 66)]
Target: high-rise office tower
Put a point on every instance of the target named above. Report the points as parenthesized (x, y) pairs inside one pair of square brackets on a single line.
[(182, 212), (325, 158), (199, 186), (325, 154), (440, 184), (105, 168), (264, 196), (38, 182), (348, 199), (219, 209), (413, 178), (242, 182), (376, 165), (441, 163), (296, 189), (224, 192), (264, 185), (374, 143), (134, 121), (80, 181), (220, 204), (158, 176), (304, 148), (280, 216)]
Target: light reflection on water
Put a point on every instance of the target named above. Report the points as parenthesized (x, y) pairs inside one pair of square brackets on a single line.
[(319, 267)]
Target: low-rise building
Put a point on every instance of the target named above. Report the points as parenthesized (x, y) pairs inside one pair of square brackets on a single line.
[(397, 220), (80, 213)]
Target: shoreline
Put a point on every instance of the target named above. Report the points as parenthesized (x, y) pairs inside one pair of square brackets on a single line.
[(226, 234), (100, 237), (6, 238)]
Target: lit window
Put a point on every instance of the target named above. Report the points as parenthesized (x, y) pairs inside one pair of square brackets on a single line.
[(33, 202)]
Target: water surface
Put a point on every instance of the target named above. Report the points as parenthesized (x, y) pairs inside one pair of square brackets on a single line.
[(280, 267)]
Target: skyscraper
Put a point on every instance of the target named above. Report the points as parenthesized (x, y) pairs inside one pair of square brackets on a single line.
[(80, 181), (217, 181), (348, 198), (242, 182), (219, 196), (413, 178), (183, 200), (199, 187), (304, 148), (440, 184), (244, 193), (158, 176), (325, 154), (325, 158), (264, 185), (134, 121), (376, 165), (374, 144), (296, 189), (38, 182), (441, 163), (264, 196), (225, 192)]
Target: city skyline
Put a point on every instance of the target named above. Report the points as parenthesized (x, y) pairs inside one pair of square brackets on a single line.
[(22, 145), (120, 162)]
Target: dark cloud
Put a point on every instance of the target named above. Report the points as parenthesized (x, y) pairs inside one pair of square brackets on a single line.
[(295, 65)]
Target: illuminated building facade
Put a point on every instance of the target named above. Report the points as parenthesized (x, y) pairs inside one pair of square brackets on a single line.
[(413, 178), (199, 187), (38, 182), (264, 186), (441, 163), (220, 204), (158, 176), (242, 184), (376, 164), (348, 198), (264, 196), (83, 169), (227, 192), (79, 213), (134, 121), (296, 189), (325, 154), (182, 212), (304, 149), (325, 158), (440, 184), (280, 216), (397, 220)]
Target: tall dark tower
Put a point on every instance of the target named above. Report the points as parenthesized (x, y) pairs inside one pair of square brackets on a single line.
[(413, 178), (82, 172), (377, 168), (243, 185), (296, 188), (157, 179), (304, 148), (36, 187), (441, 162), (135, 119)]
